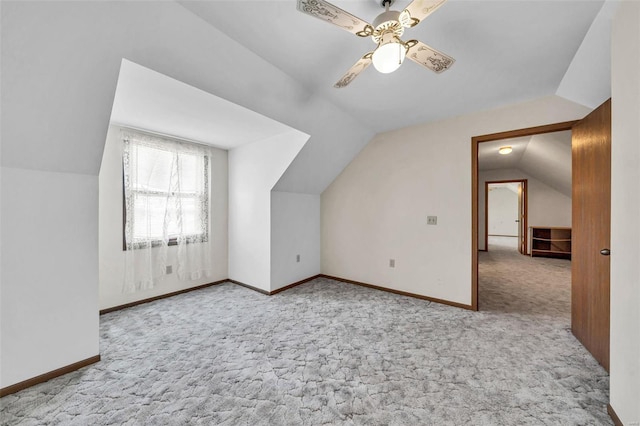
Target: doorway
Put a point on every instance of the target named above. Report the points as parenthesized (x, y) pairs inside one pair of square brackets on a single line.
[(505, 213), (477, 143), (591, 221)]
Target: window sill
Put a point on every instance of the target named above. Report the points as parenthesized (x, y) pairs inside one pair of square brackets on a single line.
[(172, 242)]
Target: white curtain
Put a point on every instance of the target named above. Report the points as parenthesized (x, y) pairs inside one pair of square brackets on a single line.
[(166, 196)]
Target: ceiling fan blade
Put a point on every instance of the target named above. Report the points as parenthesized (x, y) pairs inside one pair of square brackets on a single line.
[(354, 71), (327, 12), (418, 10), (428, 56)]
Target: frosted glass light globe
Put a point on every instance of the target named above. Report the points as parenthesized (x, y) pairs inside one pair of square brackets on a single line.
[(388, 57)]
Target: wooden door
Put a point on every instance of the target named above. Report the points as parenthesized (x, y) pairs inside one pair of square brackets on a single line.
[(522, 217), (591, 199)]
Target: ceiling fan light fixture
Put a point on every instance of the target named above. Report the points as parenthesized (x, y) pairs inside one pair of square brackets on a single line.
[(389, 56), (386, 32), (504, 150)]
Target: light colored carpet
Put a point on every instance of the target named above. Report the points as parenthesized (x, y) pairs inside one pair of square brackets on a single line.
[(333, 353)]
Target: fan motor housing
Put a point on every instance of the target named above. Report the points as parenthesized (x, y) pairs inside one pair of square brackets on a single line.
[(387, 22), (384, 17)]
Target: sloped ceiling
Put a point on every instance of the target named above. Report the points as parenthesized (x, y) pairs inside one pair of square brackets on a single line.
[(546, 157), (506, 52), (60, 63), (588, 79), (511, 186), (148, 100)]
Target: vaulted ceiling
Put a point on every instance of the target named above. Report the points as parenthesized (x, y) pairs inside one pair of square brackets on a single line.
[(506, 52), (546, 157), (148, 100), (60, 63)]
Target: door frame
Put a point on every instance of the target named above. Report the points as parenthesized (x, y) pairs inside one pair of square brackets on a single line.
[(475, 141), (524, 199)]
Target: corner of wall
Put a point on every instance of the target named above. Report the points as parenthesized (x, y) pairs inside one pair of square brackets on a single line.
[(295, 237), (254, 169)]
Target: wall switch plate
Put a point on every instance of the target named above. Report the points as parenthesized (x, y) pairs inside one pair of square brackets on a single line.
[(297, 258), (392, 263), (432, 220), (169, 269)]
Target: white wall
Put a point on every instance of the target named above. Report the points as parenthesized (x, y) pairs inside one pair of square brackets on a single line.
[(111, 255), (625, 214), (586, 81), (377, 208), (49, 272), (253, 171), (503, 212), (59, 66), (546, 207), (295, 230), (1, 226)]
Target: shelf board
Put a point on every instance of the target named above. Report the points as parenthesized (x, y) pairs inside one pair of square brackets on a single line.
[(549, 241), (560, 228), (550, 251)]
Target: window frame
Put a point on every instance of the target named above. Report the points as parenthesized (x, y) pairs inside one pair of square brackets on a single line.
[(189, 239)]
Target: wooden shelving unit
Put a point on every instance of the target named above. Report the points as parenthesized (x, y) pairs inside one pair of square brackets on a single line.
[(550, 242)]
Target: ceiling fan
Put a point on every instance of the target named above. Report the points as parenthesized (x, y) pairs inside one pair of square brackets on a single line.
[(386, 31)]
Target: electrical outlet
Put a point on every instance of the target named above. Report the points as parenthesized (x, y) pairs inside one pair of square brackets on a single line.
[(297, 258), (392, 263), (432, 220), (169, 269)]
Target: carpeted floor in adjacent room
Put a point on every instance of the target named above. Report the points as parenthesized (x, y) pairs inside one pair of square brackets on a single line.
[(332, 353)]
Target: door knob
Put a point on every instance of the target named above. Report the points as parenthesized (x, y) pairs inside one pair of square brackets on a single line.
[(605, 252)]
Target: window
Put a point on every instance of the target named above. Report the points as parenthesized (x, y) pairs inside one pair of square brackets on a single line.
[(166, 191)]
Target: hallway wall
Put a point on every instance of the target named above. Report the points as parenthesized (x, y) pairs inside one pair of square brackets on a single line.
[(546, 206), (502, 212)]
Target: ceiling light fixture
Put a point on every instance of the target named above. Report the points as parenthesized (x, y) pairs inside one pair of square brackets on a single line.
[(389, 55), (386, 31), (391, 51), (504, 150)]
